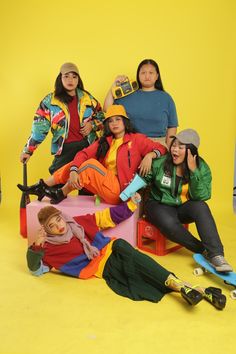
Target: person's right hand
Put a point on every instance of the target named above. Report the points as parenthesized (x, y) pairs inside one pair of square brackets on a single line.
[(24, 158), (119, 79), (73, 180)]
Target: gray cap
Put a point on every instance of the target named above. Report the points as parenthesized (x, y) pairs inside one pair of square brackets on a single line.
[(188, 136), (69, 67)]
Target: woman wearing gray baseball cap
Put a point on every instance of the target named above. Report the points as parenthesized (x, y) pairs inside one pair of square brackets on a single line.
[(74, 116), (180, 185)]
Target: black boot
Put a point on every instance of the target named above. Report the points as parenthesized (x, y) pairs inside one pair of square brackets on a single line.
[(215, 297), (56, 195), (192, 296), (36, 189)]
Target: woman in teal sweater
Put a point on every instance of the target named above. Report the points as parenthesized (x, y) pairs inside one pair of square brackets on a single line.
[(180, 185)]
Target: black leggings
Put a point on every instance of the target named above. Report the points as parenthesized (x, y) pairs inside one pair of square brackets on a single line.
[(169, 220)]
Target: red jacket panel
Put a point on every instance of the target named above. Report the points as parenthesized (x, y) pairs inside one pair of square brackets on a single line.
[(129, 155)]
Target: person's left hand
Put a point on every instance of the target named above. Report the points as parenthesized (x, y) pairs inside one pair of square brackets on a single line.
[(86, 129), (146, 164), (191, 160)]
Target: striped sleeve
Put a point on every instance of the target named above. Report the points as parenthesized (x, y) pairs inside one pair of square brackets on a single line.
[(110, 217)]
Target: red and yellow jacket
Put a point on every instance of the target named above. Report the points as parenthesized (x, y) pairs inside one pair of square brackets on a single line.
[(129, 155)]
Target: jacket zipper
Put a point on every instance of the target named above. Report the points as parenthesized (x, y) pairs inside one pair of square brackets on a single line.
[(129, 163)]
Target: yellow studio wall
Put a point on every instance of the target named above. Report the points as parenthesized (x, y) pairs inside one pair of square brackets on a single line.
[(193, 42)]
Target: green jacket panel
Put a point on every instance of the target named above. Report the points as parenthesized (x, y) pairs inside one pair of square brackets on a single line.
[(163, 186)]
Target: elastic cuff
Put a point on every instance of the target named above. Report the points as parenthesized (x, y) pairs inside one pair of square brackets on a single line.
[(27, 152), (131, 205), (74, 168)]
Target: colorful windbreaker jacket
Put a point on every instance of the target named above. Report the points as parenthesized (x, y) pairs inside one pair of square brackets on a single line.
[(69, 258), (53, 114), (129, 155), (163, 186)]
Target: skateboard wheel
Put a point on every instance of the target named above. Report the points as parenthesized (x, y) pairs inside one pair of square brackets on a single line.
[(198, 271), (233, 294)]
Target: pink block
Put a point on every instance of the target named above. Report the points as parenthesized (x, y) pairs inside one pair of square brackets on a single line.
[(81, 205)]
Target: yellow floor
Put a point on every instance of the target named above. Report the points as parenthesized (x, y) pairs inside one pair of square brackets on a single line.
[(59, 314)]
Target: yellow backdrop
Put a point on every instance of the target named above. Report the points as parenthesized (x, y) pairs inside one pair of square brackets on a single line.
[(194, 44)]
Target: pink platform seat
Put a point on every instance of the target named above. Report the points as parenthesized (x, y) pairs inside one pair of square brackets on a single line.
[(81, 205)]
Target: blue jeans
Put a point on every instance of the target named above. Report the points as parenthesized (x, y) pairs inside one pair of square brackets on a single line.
[(169, 220)]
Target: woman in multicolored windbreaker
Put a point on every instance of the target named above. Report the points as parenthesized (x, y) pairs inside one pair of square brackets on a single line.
[(76, 247), (74, 116)]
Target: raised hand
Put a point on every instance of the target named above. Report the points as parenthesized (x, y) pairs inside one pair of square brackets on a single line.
[(191, 160)]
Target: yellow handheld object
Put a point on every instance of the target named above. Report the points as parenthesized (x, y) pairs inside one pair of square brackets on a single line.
[(125, 88)]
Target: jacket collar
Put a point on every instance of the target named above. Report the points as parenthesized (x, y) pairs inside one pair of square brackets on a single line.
[(80, 94), (126, 139)]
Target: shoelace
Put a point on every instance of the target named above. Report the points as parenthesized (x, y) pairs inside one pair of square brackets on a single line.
[(219, 260)]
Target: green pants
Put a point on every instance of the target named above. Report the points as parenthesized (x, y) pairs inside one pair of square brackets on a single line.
[(135, 275)]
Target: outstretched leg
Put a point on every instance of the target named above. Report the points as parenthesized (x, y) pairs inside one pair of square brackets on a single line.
[(137, 276), (133, 274)]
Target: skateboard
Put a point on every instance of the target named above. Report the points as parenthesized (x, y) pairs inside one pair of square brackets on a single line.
[(205, 266)]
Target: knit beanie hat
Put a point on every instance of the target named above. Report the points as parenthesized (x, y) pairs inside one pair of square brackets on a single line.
[(46, 213)]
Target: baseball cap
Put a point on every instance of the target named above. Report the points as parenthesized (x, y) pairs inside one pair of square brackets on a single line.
[(69, 67), (188, 136)]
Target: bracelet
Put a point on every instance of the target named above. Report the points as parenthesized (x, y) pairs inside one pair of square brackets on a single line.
[(74, 168), (157, 152)]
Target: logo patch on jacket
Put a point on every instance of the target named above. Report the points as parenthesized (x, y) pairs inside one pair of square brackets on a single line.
[(166, 181)]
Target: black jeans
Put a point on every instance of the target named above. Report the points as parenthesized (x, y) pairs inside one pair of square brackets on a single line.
[(67, 155), (169, 220)]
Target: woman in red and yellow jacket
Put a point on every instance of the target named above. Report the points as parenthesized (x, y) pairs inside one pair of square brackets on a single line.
[(107, 166)]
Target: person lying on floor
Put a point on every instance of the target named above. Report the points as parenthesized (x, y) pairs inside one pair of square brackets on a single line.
[(76, 247), (105, 167)]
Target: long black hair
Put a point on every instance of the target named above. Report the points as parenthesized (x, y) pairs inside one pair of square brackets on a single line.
[(169, 166), (103, 145), (158, 83), (60, 91)]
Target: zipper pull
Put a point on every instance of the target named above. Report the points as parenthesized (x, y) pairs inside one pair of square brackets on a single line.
[(129, 162)]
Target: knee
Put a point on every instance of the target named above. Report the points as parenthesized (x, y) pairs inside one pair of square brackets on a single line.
[(88, 163), (122, 246), (165, 223), (201, 208)]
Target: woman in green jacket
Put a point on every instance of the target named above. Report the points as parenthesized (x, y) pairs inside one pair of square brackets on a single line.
[(180, 185)]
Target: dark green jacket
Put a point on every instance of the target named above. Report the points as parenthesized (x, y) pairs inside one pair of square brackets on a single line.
[(163, 187)]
